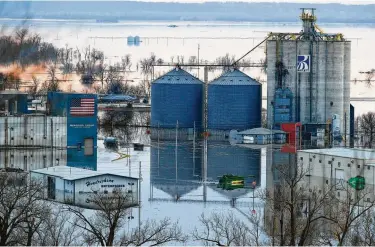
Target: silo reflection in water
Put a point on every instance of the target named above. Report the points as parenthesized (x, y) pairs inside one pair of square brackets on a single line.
[(163, 167), (223, 158)]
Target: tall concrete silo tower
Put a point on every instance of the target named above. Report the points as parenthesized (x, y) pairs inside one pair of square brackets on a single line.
[(313, 67)]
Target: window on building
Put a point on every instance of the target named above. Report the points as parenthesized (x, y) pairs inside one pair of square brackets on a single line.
[(339, 175), (368, 167), (44, 161), (25, 163), (51, 188), (89, 146), (359, 166), (339, 164), (320, 161), (348, 164)]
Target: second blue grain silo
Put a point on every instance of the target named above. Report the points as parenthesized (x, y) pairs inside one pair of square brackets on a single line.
[(176, 97), (234, 102)]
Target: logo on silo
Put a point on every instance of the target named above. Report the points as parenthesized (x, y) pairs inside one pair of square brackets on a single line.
[(303, 63)]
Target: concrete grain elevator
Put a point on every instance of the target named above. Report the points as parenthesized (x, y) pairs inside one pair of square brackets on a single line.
[(308, 76)]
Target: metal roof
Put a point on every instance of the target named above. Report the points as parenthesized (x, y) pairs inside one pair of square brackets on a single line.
[(12, 92), (355, 153), (177, 76), (72, 173), (118, 97), (261, 131), (235, 77)]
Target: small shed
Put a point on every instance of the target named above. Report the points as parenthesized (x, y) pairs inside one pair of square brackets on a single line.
[(76, 186), (263, 136)]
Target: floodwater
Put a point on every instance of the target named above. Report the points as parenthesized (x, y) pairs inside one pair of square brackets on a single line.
[(171, 174), (208, 40), (172, 178)]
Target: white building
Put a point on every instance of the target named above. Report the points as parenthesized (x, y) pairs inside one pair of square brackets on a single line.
[(337, 166), (76, 186)]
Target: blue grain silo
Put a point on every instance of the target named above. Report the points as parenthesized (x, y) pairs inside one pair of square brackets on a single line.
[(234, 102), (164, 158), (176, 96)]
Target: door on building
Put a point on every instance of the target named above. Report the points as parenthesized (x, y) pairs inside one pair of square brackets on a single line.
[(339, 176), (51, 188), (89, 146)]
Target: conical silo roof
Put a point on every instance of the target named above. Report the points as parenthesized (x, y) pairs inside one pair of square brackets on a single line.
[(178, 189), (235, 77), (177, 76)]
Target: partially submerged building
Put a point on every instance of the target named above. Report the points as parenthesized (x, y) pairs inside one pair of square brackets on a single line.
[(79, 187), (337, 166), (65, 135), (262, 136)]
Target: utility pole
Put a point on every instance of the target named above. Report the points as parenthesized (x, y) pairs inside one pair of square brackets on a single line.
[(176, 148), (139, 195), (198, 58)]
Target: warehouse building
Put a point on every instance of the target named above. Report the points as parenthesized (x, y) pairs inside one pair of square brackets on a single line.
[(77, 186), (337, 166)]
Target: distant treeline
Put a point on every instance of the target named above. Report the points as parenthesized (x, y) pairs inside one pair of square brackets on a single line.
[(25, 49), (211, 11)]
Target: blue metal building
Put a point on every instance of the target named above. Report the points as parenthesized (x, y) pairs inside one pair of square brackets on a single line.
[(234, 102), (16, 102), (163, 167), (176, 96), (81, 112), (282, 106)]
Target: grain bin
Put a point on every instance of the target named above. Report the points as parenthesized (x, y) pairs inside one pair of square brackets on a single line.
[(234, 102), (176, 96)]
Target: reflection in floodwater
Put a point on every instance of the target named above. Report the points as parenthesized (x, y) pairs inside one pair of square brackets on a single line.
[(180, 170), (176, 171)]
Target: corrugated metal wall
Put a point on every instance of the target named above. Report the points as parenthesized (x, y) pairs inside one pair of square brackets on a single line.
[(31, 158), (33, 131), (234, 102), (282, 107), (176, 96), (32, 142)]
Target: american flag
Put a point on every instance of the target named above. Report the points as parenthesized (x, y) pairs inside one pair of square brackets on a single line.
[(82, 107)]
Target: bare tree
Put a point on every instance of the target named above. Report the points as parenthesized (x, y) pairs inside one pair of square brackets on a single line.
[(35, 86), (344, 211), (227, 230), (21, 208), (367, 127), (154, 233), (126, 62), (104, 226), (59, 228)]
